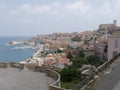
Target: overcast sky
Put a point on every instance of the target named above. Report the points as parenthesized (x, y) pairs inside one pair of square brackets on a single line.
[(33, 17)]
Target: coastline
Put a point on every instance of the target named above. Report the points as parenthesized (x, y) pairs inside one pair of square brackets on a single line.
[(17, 55), (35, 59)]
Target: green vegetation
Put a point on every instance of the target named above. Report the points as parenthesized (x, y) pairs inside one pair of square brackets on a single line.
[(93, 60), (59, 51), (66, 85), (81, 54), (71, 74), (78, 62), (69, 56), (77, 39)]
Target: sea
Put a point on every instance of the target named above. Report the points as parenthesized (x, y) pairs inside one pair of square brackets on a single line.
[(7, 54)]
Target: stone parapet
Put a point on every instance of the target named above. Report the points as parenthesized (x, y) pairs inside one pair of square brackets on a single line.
[(3, 65)]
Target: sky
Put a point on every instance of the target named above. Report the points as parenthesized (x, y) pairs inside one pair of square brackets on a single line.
[(34, 17)]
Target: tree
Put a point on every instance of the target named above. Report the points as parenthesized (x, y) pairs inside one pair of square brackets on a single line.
[(70, 74), (92, 59), (81, 54), (70, 56), (59, 51), (76, 38), (78, 62)]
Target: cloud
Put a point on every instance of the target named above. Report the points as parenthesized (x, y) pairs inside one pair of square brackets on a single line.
[(53, 8), (76, 7), (104, 10), (2, 7), (13, 12), (25, 20), (60, 15), (116, 8), (79, 8), (30, 9)]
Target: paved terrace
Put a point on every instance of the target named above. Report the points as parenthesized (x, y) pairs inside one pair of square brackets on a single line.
[(13, 79)]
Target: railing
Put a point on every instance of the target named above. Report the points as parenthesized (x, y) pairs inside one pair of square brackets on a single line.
[(105, 65), (83, 83), (55, 85)]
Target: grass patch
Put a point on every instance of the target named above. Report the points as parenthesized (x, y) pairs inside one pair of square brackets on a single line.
[(69, 85), (66, 85)]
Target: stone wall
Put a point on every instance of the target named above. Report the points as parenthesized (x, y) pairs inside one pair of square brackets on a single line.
[(41, 69), (55, 85), (14, 65), (3, 65)]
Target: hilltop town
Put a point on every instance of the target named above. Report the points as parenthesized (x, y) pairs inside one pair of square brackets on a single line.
[(90, 42), (71, 52)]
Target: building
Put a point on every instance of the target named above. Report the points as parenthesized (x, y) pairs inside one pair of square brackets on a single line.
[(113, 46), (108, 28)]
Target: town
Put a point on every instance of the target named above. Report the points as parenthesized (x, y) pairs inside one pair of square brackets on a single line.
[(75, 55)]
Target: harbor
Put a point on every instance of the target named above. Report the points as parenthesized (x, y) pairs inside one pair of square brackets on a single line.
[(14, 53), (43, 55)]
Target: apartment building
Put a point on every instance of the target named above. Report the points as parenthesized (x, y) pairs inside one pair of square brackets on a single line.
[(113, 46)]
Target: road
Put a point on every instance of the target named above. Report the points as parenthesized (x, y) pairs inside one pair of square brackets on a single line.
[(110, 79)]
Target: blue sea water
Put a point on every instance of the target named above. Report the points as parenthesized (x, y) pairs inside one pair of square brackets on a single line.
[(9, 55)]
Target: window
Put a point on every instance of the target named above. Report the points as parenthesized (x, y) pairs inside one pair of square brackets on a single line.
[(116, 42), (115, 53)]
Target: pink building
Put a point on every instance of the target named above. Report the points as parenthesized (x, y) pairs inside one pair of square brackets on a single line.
[(113, 46)]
